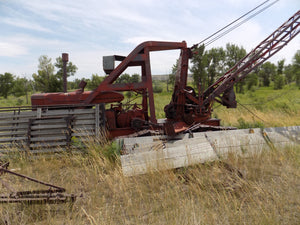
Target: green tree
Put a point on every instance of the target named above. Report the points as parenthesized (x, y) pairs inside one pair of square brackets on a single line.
[(74, 84), (21, 87), (280, 66), (135, 78), (157, 86), (251, 80), (45, 64), (234, 54), (45, 76), (209, 65), (48, 81), (289, 73), (94, 82), (279, 81), (267, 70), (296, 67), (41, 81), (70, 68), (6, 84), (199, 67), (123, 79), (172, 75), (215, 66)]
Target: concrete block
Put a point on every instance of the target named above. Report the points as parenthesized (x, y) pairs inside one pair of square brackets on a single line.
[(155, 153), (284, 135), (241, 142), (177, 154)]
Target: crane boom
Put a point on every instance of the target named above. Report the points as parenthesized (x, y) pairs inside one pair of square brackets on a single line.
[(267, 48)]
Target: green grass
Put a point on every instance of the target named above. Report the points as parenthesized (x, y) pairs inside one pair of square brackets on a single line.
[(285, 100), (206, 193), (264, 107), (12, 101)]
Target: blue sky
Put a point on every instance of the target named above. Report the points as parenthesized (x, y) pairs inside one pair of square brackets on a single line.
[(90, 29)]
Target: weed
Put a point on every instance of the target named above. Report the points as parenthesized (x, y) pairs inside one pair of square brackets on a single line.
[(242, 124)]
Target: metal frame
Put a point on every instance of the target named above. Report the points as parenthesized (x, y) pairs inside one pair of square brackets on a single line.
[(54, 194), (140, 56), (267, 48)]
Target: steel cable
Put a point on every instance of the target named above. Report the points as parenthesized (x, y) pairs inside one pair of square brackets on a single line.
[(236, 26)]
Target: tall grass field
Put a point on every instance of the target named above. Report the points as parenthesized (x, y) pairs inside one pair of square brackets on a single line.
[(260, 189)]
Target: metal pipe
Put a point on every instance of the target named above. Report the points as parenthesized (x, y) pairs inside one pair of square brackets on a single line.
[(31, 179), (65, 59)]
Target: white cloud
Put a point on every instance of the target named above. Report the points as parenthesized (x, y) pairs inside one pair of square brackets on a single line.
[(12, 49), (90, 29), (287, 52), (139, 39), (248, 36), (25, 24)]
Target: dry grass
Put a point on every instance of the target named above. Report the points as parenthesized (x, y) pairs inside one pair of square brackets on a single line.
[(268, 192)]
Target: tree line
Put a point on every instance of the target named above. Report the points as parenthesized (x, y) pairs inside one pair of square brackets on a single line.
[(207, 66), (49, 78), (45, 80)]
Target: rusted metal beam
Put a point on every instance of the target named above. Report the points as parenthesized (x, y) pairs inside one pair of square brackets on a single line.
[(65, 59), (45, 198), (30, 179)]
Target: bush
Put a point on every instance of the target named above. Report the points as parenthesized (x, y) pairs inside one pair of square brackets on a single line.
[(244, 125), (157, 88), (110, 151), (19, 101), (279, 82)]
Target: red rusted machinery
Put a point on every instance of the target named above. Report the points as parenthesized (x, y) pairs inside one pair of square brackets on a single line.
[(186, 110)]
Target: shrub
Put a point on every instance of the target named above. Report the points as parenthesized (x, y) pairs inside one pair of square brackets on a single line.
[(244, 125), (157, 88), (279, 82)]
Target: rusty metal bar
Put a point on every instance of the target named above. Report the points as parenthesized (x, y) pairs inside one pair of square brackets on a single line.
[(65, 59), (50, 196), (31, 179)]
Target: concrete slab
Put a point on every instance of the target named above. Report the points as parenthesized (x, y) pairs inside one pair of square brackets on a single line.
[(155, 153), (177, 154), (284, 134), (144, 144), (241, 142)]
